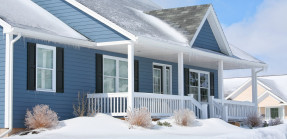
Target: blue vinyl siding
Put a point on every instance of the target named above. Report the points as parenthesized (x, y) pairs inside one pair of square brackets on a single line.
[(2, 77), (206, 39), (80, 21), (79, 75)]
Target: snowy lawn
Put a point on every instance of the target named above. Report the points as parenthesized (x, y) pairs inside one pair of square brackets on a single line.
[(104, 126)]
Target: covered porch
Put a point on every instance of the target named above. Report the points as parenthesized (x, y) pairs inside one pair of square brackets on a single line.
[(205, 104)]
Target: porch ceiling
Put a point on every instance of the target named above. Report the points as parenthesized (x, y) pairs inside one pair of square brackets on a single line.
[(190, 58)]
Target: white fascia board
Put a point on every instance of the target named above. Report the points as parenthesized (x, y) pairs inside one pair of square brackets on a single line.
[(200, 26), (54, 38), (102, 19), (181, 48), (102, 44), (236, 92), (5, 25)]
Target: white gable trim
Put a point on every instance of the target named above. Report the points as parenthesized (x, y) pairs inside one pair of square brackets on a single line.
[(102, 19), (239, 90), (216, 29)]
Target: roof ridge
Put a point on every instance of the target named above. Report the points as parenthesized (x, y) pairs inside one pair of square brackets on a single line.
[(179, 7)]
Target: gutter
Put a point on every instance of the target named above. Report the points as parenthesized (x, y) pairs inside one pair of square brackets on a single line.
[(11, 61)]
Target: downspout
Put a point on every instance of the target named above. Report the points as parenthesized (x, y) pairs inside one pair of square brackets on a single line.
[(11, 58)]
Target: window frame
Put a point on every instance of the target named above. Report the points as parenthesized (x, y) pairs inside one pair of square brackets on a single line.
[(199, 87), (117, 59), (163, 78), (53, 70), (278, 112)]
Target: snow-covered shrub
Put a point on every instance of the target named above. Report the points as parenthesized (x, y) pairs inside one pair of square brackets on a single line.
[(253, 120), (274, 122), (80, 108), (139, 117), (184, 117), (41, 117), (165, 123)]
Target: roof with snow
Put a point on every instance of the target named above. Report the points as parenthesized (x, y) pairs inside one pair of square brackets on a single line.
[(25, 14), (184, 19), (276, 83)]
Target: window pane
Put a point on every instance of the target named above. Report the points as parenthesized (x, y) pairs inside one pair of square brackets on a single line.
[(274, 113), (44, 79), (44, 58), (168, 82), (204, 80), (123, 69), (157, 80), (109, 85), (204, 95), (123, 85), (194, 91), (109, 67), (193, 79)]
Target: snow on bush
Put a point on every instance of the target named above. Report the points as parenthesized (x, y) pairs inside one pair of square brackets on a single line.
[(274, 122), (139, 117), (80, 108), (253, 120), (41, 117), (184, 117)]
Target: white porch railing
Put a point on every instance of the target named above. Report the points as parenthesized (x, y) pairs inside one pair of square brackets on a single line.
[(230, 110), (157, 104)]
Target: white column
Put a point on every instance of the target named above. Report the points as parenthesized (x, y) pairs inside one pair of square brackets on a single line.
[(181, 77), (220, 80), (130, 76), (254, 89), (9, 38)]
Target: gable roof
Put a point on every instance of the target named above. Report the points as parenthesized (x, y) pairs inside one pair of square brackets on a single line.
[(274, 84), (25, 14)]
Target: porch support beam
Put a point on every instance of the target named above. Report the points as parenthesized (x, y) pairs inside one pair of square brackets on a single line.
[(220, 80), (181, 77), (254, 89), (130, 77)]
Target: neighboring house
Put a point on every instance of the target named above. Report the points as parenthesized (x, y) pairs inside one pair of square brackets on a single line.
[(127, 54), (272, 94)]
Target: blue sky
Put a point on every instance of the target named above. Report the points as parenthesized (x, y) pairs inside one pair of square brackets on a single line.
[(255, 26)]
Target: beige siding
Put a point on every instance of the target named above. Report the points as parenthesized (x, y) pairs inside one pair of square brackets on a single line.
[(285, 112), (262, 110), (269, 101), (246, 95)]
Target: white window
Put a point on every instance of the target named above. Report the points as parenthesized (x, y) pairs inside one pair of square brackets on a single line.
[(199, 85), (162, 78), (45, 68), (115, 74)]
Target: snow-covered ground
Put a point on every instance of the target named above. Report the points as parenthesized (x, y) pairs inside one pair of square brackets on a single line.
[(104, 126)]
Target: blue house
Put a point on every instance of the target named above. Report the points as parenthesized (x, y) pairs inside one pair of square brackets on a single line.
[(125, 54)]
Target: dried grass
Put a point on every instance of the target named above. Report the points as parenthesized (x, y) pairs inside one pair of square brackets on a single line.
[(184, 117), (139, 117), (80, 109), (41, 117)]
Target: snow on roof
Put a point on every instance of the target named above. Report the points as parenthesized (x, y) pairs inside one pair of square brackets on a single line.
[(232, 84), (130, 15), (277, 84), (25, 14), (240, 54)]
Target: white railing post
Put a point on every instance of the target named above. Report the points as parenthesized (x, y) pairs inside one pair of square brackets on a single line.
[(225, 113), (204, 111), (220, 80), (181, 78), (254, 89), (130, 104), (211, 107)]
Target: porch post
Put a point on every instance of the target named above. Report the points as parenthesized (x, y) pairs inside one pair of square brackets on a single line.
[(220, 80), (130, 77), (254, 89), (181, 78)]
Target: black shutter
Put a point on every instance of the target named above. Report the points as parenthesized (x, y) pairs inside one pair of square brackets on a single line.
[(136, 76), (60, 70), (186, 81), (211, 84), (31, 66), (99, 73)]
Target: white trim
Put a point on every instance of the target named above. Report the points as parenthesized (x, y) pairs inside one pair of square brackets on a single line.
[(216, 29), (102, 19), (199, 93), (237, 91), (7, 79), (101, 44), (117, 77), (164, 76), (5, 25), (53, 70)]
